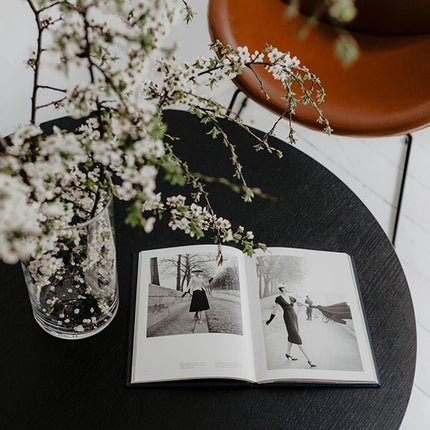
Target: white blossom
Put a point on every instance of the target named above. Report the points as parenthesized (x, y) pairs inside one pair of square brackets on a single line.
[(48, 183), (228, 236), (149, 224)]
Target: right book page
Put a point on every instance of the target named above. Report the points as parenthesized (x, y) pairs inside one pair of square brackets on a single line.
[(308, 320)]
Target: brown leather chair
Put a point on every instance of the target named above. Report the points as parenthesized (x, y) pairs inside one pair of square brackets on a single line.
[(385, 92)]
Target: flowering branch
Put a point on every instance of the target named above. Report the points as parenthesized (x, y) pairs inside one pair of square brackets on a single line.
[(55, 103), (49, 182)]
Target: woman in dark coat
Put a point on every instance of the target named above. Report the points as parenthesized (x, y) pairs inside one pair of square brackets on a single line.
[(285, 302)]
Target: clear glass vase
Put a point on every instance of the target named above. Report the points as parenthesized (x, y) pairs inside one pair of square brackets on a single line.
[(73, 289)]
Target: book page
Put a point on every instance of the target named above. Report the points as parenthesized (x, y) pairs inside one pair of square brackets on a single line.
[(318, 332), (192, 318)]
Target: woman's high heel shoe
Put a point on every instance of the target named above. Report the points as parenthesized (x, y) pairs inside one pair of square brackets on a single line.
[(289, 357), (311, 364)]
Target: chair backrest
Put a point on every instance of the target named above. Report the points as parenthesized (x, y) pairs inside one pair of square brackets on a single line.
[(385, 92)]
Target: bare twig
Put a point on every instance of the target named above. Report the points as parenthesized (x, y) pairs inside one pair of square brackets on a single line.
[(52, 5), (48, 87), (37, 60), (237, 188), (54, 102)]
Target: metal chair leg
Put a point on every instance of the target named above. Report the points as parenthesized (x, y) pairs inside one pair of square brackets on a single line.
[(242, 106), (408, 141), (233, 100)]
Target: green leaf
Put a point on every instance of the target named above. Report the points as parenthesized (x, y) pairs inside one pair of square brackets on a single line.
[(159, 129), (65, 155), (9, 171), (194, 227), (121, 85), (134, 216), (214, 132)]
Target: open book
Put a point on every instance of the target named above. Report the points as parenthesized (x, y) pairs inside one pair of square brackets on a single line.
[(286, 315)]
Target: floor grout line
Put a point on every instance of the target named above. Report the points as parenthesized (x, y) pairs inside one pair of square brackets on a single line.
[(422, 391), (423, 327), (343, 169)]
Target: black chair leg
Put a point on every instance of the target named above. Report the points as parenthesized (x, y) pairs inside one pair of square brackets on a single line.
[(233, 100), (242, 106), (408, 141)]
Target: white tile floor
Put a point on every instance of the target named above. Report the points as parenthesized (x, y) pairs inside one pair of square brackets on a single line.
[(370, 167)]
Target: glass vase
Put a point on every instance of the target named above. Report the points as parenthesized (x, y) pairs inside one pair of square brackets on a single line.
[(73, 289)]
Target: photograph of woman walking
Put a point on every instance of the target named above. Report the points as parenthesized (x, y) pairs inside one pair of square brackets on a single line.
[(189, 293), (298, 334), (285, 303), (199, 300)]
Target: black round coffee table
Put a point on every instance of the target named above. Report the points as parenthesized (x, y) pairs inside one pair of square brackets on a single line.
[(51, 383)]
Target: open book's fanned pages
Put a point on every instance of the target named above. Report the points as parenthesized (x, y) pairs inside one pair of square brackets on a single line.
[(287, 316)]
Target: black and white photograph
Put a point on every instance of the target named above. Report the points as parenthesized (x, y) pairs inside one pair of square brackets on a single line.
[(190, 293), (306, 316)]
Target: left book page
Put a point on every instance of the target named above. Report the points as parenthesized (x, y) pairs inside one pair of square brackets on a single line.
[(191, 316)]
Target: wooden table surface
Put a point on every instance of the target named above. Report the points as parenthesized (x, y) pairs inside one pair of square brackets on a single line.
[(50, 383)]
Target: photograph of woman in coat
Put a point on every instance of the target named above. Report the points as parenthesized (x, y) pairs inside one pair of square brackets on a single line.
[(285, 303), (196, 288)]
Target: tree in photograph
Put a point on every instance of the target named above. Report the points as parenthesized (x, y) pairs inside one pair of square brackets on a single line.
[(274, 269), (227, 279), (181, 266), (178, 273), (155, 276), (186, 272)]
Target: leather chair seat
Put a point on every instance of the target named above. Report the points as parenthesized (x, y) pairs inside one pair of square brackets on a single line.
[(385, 92)]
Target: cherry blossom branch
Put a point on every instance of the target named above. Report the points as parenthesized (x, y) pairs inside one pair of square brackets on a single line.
[(43, 9), (55, 103), (237, 188)]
